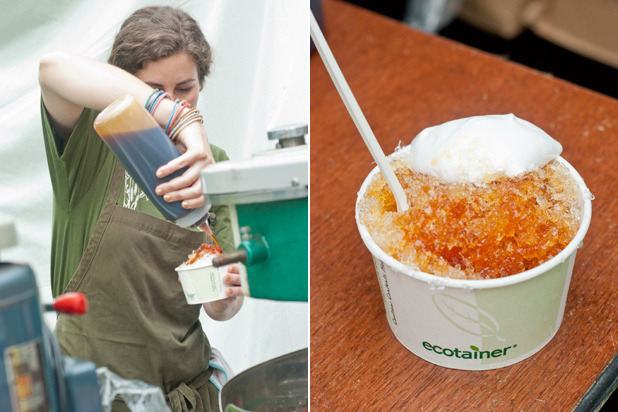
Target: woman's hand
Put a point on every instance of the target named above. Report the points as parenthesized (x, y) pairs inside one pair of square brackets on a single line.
[(232, 281), (196, 155), (225, 309)]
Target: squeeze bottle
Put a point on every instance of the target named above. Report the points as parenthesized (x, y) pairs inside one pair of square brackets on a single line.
[(142, 147)]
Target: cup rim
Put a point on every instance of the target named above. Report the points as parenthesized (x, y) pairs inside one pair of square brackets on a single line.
[(471, 284), (194, 266)]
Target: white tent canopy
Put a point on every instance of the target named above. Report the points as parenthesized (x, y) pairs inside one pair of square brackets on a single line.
[(260, 80)]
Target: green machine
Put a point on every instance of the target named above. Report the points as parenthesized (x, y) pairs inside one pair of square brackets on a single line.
[(268, 198)]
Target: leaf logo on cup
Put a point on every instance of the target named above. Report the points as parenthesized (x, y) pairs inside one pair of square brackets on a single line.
[(467, 317)]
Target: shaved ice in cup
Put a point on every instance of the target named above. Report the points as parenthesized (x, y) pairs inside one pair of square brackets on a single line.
[(475, 274), (201, 281)]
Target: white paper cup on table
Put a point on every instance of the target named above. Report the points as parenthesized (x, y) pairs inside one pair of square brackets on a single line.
[(476, 324), (202, 282)]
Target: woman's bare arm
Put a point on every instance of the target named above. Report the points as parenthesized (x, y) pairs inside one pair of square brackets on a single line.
[(70, 83)]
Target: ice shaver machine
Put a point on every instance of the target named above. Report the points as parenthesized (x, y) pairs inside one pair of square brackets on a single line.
[(34, 376), (268, 194)]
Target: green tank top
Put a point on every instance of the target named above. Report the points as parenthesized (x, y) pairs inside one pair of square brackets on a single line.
[(81, 172)]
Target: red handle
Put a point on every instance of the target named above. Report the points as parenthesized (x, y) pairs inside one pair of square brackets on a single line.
[(72, 303)]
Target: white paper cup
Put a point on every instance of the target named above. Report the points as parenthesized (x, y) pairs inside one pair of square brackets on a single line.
[(202, 283), (476, 324)]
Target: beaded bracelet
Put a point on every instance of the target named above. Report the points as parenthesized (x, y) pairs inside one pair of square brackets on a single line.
[(179, 106), (152, 103), (178, 115), (155, 91), (169, 122), (185, 124), (156, 104), (191, 116), (178, 120)]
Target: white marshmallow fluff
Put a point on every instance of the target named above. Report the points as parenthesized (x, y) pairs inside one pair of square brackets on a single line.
[(481, 148)]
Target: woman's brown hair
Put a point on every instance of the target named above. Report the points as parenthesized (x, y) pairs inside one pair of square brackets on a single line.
[(153, 33)]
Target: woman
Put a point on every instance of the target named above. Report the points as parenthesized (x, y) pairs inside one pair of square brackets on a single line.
[(108, 240)]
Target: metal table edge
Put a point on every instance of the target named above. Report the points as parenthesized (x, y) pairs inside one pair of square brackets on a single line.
[(601, 389)]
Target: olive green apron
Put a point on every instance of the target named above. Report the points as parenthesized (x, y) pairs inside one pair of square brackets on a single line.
[(138, 323)]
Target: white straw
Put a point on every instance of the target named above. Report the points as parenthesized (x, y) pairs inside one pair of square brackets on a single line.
[(357, 115)]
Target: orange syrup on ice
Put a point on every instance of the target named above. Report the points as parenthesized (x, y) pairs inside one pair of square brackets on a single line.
[(204, 226), (475, 231), (203, 250)]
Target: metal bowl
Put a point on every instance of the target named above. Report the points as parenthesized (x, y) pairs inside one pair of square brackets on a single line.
[(277, 385)]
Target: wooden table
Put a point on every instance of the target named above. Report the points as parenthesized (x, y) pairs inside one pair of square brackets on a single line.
[(404, 81)]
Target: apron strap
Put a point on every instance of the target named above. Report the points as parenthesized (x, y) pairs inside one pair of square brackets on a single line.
[(116, 185), (185, 397), (99, 228)]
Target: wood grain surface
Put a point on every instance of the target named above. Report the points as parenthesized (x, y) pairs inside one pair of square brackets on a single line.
[(404, 81)]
